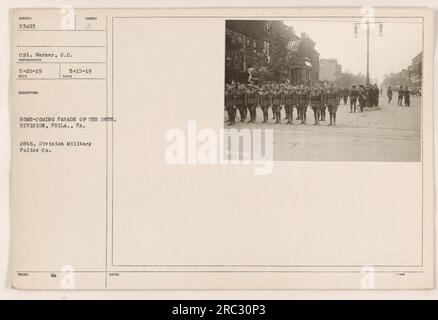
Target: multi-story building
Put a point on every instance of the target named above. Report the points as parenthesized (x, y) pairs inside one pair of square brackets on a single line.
[(247, 45), (404, 75), (415, 70), (303, 61), (270, 50), (329, 70)]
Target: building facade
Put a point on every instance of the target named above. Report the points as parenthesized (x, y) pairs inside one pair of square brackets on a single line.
[(415, 71), (268, 50), (247, 44), (411, 76), (329, 70), (303, 61)]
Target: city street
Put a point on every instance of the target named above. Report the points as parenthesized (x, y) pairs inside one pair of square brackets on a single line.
[(390, 133)]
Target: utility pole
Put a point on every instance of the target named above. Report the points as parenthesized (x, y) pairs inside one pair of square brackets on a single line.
[(244, 53), (368, 27), (368, 53)]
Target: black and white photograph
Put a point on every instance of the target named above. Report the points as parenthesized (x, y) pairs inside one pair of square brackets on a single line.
[(331, 89)]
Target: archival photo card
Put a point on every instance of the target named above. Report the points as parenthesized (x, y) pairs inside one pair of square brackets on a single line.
[(330, 88), (222, 148)]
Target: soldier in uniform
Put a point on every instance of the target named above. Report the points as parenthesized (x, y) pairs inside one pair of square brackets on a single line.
[(370, 95), (369, 98), (272, 85), (284, 88), (407, 97), (289, 103), (353, 98), (240, 102), (389, 94), (264, 102), (362, 97), (302, 103), (345, 93), (333, 98), (297, 89), (230, 104), (251, 103), (376, 95), (277, 101), (323, 106), (317, 100), (400, 96)]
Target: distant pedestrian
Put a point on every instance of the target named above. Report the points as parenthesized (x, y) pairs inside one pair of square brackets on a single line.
[(362, 97), (400, 96), (345, 93), (407, 97), (369, 96), (389, 94), (376, 95), (354, 93)]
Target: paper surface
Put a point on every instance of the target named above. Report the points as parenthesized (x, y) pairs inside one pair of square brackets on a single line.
[(115, 186)]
